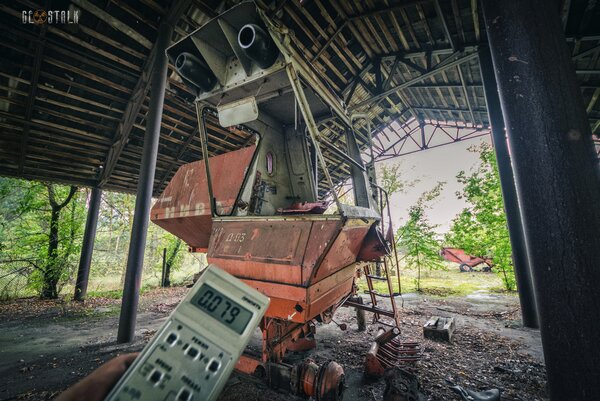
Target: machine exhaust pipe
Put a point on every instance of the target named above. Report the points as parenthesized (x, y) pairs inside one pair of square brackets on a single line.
[(195, 72), (258, 45)]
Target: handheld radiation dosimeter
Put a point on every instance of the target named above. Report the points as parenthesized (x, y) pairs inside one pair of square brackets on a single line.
[(193, 353)]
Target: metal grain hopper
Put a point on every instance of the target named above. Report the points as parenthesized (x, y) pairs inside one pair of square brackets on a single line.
[(257, 210)]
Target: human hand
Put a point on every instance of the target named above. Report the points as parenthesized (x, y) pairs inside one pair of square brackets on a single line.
[(97, 384)]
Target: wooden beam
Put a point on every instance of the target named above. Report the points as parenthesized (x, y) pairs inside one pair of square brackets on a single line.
[(446, 109), (331, 38), (466, 93), (387, 81), (440, 13), (475, 19), (114, 22), (435, 51), (135, 102), (182, 150), (412, 65), (458, 21), (33, 86)]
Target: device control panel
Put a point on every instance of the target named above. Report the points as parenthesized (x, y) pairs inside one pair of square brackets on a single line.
[(193, 353)]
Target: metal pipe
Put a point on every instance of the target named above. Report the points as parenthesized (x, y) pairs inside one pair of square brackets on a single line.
[(143, 200), (258, 45), (509, 193), (200, 111), (195, 72), (87, 248), (558, 186)]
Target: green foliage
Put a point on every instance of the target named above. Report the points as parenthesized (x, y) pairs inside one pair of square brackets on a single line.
[(390, 178), (481, 228), (174, 256), (417, 238), (39, 255), (112, 243), (40, 235)]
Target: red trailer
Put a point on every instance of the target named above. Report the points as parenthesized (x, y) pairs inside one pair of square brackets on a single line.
[(466, 262)]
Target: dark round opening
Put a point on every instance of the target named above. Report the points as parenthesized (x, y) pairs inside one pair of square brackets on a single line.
[(246, 36), (180, 61)]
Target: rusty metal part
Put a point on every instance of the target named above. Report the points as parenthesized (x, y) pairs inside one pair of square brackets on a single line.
[(183, 209), (310, 247), (459, 256), (330, 382), (387, 350), (325, 382), (374, 247), (342, 326), (318, 207), (401, 385), (303, 344)]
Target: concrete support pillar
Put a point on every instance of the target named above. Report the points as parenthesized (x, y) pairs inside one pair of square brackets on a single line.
[(558, 186), (135, 258), (87, 248), (509, 192)]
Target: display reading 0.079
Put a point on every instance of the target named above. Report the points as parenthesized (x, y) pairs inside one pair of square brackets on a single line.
[(222, 308)]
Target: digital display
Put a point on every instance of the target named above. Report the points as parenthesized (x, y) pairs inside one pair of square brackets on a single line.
[(222, 308)]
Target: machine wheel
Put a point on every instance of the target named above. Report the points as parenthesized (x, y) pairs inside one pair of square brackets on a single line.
[(465, 268), (330, 382)]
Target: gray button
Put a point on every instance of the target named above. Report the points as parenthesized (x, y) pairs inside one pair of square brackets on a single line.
[(172, 338), (214, 365), (184, 395), (193, 352), (155, 377)]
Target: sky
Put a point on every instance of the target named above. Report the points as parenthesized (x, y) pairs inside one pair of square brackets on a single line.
[(430, 166)]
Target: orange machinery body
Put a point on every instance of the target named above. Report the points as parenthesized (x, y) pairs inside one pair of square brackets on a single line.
[(304, 263)]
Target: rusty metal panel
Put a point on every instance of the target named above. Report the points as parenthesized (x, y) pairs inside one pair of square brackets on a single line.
[(260, 249), (194, 230), (183, 208), (344, 250), (299, 304), (322, 236), (330, 291)]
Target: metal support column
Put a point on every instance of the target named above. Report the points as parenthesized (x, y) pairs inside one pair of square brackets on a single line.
[(558, 186), (509, 192), (135, 258), (87, 248)]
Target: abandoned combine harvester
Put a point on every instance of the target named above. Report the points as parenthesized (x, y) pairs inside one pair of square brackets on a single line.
[(254, 202)]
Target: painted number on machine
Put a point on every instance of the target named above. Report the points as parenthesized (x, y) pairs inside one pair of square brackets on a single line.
[(235, 237)]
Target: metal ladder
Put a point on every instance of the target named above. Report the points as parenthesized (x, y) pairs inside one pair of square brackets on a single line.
[(387, 263)]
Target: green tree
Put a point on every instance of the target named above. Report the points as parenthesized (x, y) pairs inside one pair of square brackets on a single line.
[(175, 256), (390, 178), (418, 239), (480, 229), (40, 231)]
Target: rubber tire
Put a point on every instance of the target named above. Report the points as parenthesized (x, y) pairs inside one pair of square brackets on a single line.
[(464, 268)]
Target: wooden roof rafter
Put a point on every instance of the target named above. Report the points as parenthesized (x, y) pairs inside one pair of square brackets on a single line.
[(137, 98), (89, 72)]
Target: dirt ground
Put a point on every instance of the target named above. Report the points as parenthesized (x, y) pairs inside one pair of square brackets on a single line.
[(47, 346)]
